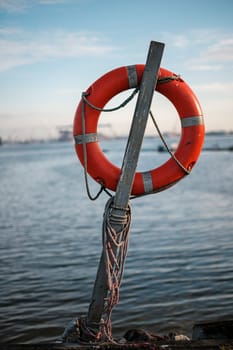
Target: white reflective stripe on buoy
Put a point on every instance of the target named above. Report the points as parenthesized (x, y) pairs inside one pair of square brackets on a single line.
[(132, 76), (87, 138), (147, 182), (192, 121)]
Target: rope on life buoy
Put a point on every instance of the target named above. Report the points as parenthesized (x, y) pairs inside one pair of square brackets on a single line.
[(84, 100), (86, 140)]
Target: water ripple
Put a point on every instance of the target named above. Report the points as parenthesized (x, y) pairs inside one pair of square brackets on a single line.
[(179, 265)]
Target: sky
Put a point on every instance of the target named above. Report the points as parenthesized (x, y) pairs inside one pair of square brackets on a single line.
[(52, 50)]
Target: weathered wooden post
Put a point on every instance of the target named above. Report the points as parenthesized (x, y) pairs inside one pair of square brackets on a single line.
[(123, 191)]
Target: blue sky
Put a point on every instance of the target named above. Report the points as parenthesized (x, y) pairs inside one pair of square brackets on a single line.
[(52, 50)]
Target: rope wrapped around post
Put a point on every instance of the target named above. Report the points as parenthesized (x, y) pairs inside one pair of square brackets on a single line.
[(115, 247)]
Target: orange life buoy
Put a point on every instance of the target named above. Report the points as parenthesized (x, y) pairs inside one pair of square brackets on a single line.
[(191, 140)]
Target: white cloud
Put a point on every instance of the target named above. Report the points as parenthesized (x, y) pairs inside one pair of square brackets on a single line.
[(221, 51), (9, 31), (25, 48), (196, 65), (180, 41), (215, 56), (193, 38), (223, 88), (210, 49), (13, 5), (22, 5)]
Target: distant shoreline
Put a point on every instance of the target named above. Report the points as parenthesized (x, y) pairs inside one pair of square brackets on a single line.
[(69, 137)]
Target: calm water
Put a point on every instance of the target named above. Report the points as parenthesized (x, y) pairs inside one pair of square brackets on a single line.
[(179, 267)]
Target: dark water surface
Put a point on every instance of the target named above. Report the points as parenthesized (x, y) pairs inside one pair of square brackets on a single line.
[(179, 267)]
